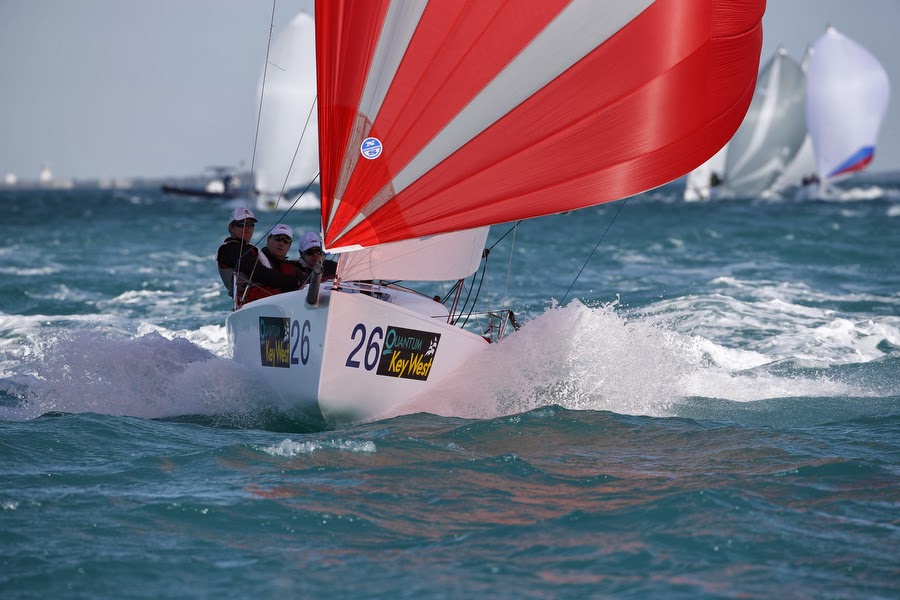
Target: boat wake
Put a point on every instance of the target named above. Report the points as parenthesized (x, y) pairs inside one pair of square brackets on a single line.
[(587, 358), (574, 356)]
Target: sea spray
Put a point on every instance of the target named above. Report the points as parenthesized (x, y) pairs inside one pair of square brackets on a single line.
[(587, 358), (147, 376)]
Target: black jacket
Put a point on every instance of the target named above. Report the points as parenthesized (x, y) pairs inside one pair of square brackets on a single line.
[(305, 271), (234, 255)]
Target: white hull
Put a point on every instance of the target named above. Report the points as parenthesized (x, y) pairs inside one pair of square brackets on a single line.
[(353, 357)]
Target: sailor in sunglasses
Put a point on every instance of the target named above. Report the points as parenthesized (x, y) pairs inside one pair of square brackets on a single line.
[(274, 257), (310, 254), (239, 260)]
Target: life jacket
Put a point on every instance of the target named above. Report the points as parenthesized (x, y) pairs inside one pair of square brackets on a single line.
[(256, 291)]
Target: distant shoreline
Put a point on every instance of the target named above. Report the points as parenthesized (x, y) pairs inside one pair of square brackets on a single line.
[(117, 183), (126, 183)]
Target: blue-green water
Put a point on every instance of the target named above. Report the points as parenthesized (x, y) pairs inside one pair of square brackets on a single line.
[(712, 412)]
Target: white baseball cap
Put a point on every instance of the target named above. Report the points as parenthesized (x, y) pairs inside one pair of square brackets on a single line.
[(308, 240), (282, 229), (239, 214)]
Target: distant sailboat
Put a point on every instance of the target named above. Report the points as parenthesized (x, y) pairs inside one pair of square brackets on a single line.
[(771, 133), (703, 182), (800, 170), (287, 155), (846, 101)]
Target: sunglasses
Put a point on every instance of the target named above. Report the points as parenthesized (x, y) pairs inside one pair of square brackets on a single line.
[(313, 251), (283, 239), (250, 224)]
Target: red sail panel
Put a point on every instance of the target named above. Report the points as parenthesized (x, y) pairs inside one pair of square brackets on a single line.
[(346, 35), (651, 102)]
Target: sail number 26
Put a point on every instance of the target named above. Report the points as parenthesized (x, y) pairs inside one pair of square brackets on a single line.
[(372, 344), (300, 339)]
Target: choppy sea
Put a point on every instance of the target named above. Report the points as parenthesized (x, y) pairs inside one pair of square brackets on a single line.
[(703, 402)]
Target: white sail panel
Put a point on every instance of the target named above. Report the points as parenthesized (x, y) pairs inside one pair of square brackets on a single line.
[(847, 98), (773, 130), (702, 182), (803, 167), (436, 258), (284, 160), (799, 171)]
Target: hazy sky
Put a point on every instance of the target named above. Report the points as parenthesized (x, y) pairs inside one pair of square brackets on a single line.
[(123, 88)]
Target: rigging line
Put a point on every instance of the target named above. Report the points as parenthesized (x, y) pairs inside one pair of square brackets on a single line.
[(512, 249), (594, 250), (451, 290), (256, 141), (280, 219), (256, 136), (511, 229), (288, 209), (294, 158), (485, 254), (477, 294), (262, 91), (466, 301), (300, 195), (491, 247)]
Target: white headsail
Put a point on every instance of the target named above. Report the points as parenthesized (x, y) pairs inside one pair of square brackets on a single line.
[(772, 132), (847, 98), (702, 183), (284, 161)]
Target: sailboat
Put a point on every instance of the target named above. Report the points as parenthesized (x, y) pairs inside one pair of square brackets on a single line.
[(772, 132), (440, 119), (287, 158), (703, 182), (847, 98), (798, 170)]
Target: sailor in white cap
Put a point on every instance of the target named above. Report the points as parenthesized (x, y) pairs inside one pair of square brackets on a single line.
[(238, 260), (311, 253), (274, 256)]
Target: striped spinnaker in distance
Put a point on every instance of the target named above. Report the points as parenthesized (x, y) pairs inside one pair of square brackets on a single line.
[(486, 111)]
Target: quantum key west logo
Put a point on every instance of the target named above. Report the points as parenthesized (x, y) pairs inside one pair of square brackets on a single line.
[(408, 353), (275, 341)]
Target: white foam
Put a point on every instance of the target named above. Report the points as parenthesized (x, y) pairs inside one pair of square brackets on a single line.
[(148, 376), (597, 359), (290, 448), (856, 194), (18, 333), (780, 320), (209, 337), (30, 272)]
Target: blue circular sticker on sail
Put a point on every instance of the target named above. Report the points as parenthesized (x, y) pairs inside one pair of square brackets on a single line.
[(370, 148)]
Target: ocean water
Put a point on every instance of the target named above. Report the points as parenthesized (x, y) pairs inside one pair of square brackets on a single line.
[(703, 402)]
